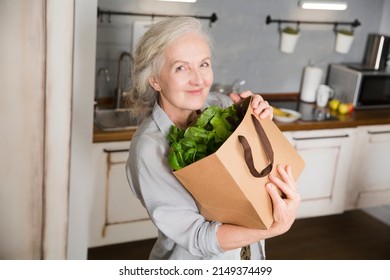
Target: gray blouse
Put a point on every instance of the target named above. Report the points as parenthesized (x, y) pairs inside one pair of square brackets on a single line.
[(183, 233)]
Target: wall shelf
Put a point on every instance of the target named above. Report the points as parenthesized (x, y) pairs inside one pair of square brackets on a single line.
[(353, 24), (100, 13)]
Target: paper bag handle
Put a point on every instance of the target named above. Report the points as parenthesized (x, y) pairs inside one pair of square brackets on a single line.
[(248, 151)]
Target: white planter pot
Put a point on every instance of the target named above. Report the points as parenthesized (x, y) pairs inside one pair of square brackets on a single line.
[(343, 42), (288, 42)]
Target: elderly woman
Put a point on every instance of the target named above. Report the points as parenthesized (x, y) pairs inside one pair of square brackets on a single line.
[(172, 75)]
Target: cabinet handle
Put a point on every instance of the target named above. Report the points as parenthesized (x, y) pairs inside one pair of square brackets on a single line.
[(115, 151), (378, 132), (320, 137)]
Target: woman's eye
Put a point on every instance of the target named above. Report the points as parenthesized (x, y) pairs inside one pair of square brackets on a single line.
[(180, 68), (205, 64)]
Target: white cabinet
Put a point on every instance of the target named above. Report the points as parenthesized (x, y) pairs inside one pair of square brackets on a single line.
[(322, 184), (117, 216), (369, 183)]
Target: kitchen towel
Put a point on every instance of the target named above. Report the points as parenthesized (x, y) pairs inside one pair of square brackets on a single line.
[(311, 80)]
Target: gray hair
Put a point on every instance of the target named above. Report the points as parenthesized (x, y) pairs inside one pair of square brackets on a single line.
[(148, 59)]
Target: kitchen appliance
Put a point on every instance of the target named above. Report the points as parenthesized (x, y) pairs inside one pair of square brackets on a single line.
[(365, 89), (376, 54)]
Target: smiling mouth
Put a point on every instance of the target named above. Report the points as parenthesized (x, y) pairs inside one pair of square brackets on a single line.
[(195, 92)]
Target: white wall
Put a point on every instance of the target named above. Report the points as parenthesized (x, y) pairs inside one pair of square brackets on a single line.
[(385, 23)]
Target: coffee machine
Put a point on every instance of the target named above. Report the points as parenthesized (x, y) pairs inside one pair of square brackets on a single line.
[(377, 52)]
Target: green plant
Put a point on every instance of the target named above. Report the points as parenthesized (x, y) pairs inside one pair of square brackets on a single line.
[(345, 32), (201, 138), (290, 30)]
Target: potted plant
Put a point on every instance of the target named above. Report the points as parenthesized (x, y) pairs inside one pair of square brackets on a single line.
[(288, 39), (344, 39)]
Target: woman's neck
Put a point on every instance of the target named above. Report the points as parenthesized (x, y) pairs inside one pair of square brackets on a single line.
[(181, 118)]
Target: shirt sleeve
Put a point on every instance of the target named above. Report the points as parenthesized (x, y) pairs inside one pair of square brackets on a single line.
[(170, 206)]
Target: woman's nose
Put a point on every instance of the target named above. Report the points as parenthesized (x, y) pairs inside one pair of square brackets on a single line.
[(196, 78)]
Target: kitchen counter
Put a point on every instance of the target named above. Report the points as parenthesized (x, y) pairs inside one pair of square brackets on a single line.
[(354, 119), (110, 136)]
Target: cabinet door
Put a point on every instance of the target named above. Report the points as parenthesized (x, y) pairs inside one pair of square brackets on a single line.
[(322, 184), (369, 183), (117, 216)]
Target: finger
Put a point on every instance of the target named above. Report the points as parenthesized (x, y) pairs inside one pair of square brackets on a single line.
[(283, 186), (286, 174), (256, 100), (274, 194), (287, 189), (235, 97), (268, 112), (263, 110), (288, 177), (258, 97), (246, 94), (291, 176)]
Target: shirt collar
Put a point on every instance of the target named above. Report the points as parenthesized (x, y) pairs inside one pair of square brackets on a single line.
[(161, 119)]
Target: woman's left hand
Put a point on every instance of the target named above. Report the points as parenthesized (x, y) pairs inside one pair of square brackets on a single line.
[(259, 105), (286, 202)]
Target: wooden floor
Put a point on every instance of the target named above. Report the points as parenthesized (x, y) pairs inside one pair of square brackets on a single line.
[(353, 235)]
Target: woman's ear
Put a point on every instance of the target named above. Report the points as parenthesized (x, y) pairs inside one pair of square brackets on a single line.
[(154, 84)]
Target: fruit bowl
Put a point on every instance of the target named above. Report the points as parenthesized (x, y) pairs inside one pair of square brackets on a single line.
[(286, 115)]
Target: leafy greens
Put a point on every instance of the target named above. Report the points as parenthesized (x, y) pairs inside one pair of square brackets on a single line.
[(202, 137)]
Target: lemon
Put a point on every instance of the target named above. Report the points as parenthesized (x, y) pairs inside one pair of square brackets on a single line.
[(281, 113), (334, 104), (343, 108)]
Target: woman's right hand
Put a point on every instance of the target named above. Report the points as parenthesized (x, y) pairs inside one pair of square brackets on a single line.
[(285, 205)]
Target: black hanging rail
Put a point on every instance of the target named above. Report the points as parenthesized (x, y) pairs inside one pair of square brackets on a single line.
[(213, 18), (354, 23)]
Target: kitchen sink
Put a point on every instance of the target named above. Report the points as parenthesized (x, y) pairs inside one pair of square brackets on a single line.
[(114, 119)]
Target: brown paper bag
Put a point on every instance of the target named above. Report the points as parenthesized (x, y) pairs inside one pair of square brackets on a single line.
[(228, 186)]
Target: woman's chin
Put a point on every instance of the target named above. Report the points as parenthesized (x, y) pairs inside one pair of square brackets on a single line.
[(197, 101)]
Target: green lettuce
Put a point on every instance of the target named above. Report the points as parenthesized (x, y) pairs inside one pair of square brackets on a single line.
[(202, 137)]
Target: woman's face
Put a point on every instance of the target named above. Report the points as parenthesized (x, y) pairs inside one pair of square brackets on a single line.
[(185, 78)]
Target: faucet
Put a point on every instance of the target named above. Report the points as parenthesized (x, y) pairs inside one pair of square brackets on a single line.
[(105, 70), (237, 84), (118, 96), (107, 78)]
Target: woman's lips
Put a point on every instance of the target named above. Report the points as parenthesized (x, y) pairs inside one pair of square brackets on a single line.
[(195, 92)]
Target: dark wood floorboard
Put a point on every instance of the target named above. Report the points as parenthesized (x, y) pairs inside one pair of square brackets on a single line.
[(353, 235)]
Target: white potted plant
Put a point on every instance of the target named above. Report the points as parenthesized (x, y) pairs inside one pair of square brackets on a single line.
[(344, 39), (288, 39)]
